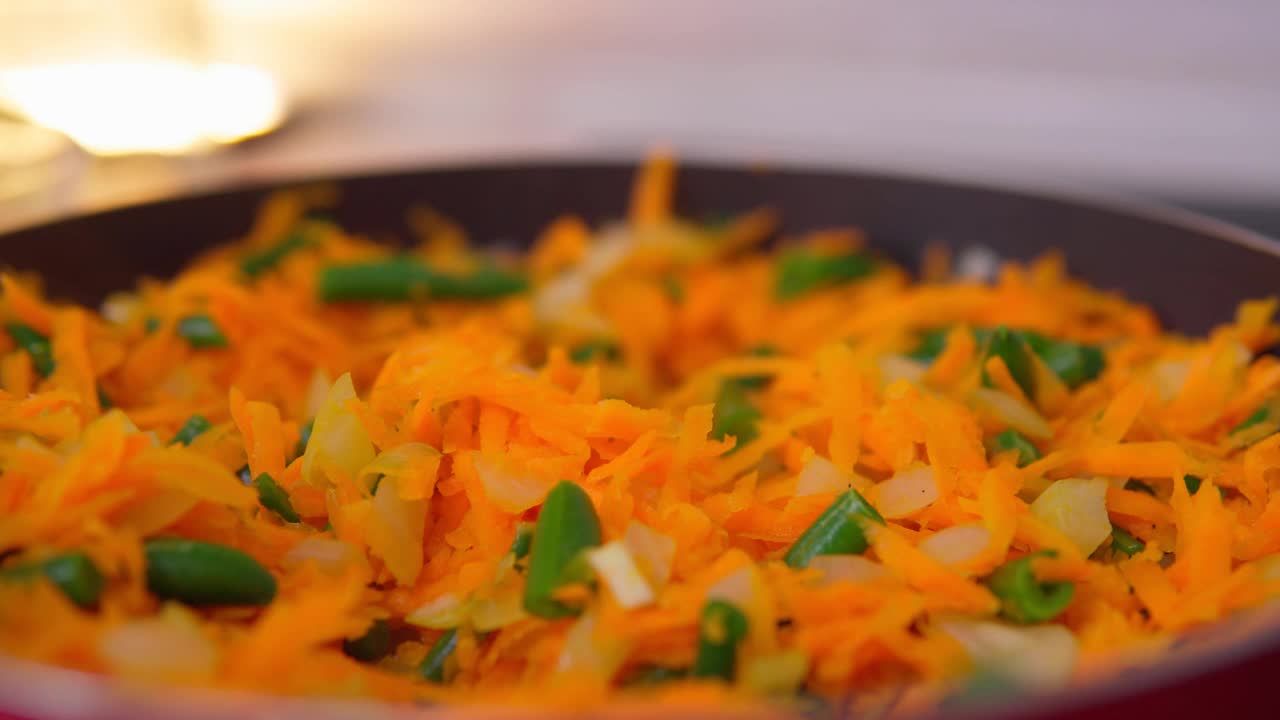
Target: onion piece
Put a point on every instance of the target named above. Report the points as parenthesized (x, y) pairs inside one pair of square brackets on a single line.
[(590, 651), (1011, 411), (170, 646), (820, 475), (653, 552), (899, 367), (956, 545), (618, 570), (395, 531), (1169, 376), (443, 613), (338, 441), (848, 568), (1077, 508), (329, 554), (508, 486), (907, 492), (775, 673), (1040, 656), (414, 464)]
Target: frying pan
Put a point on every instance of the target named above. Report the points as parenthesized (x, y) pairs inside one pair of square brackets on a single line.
[(1190, 269)]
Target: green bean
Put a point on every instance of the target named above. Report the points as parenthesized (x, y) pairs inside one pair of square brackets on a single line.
[(190, 430), (523, 541), (372, 645), (432, 667), (930, 345), (1023, 598), (200, 331), (595, 349), (837, 531), (755, 382), (722, 628), (258, 263), (1192, 482), (1256, 417), (1013, 440), (200, 573), (1123, 541), (405, 279), (151, 324), (104, 400), (1076, 364), (304, 437), (734, 415), (275, 498), (73, 573), (36, 345), (1010, 347), (567, 525), (802, 271)]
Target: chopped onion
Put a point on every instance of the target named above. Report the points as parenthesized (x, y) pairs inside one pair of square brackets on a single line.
[(414, 464), (820, 475), (907, 492), (617, 569), (395, 531), (1076, 507), (1039, 656), (499, 611), (445, 612), (121, 307), (1012, 412), (591, 651), (737, 587), (848, 568), (169, 646), (508, 486), (652, 551), (338, 439), (565, 299), (899, 367), (775, 673), (1169, 376), (977, 263), (329, 554), (956, 545)]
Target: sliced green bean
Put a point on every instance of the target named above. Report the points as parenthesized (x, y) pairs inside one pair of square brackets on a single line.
[(837, 531), (74, 573), (190, 430), (802, 271), (523, 541), (372, 645), (1256, 417), (567, 525), (1123, 541), (1010, 347), (260, 262), (734, 415), (275, 498), (1193, 483), (200, 573), (722, 628), (1075, 363), (104, 400), (200, 331), (1013, 440), (432, 668), (36, 345), (1023, 598), (930, 345), (592, 350), (404, 279), (755, 382)]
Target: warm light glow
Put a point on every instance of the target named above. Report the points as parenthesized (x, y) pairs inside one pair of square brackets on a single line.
[(161, 106)]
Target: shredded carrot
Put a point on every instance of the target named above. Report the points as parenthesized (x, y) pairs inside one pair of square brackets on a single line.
[(710, 410)]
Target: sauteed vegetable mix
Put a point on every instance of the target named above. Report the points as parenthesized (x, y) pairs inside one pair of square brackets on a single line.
[(657, 459)]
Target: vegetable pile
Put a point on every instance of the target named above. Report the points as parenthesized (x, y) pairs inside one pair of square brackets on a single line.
[(653, 460)]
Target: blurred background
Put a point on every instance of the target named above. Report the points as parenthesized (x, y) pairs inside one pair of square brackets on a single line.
[(106, 102)]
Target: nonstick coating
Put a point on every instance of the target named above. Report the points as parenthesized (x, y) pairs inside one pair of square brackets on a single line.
[(1192, 270)]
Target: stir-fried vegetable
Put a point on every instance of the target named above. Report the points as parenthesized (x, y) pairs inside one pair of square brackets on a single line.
[(838, 531), (275, 498), (200, 331), (722, 627), (1025, 599), (190, 430), (735, 415), (200, 573), (434, 665), (567, 526), (803, 271), (73, 573), (403, 278), (1124, 542), (36, 346)]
